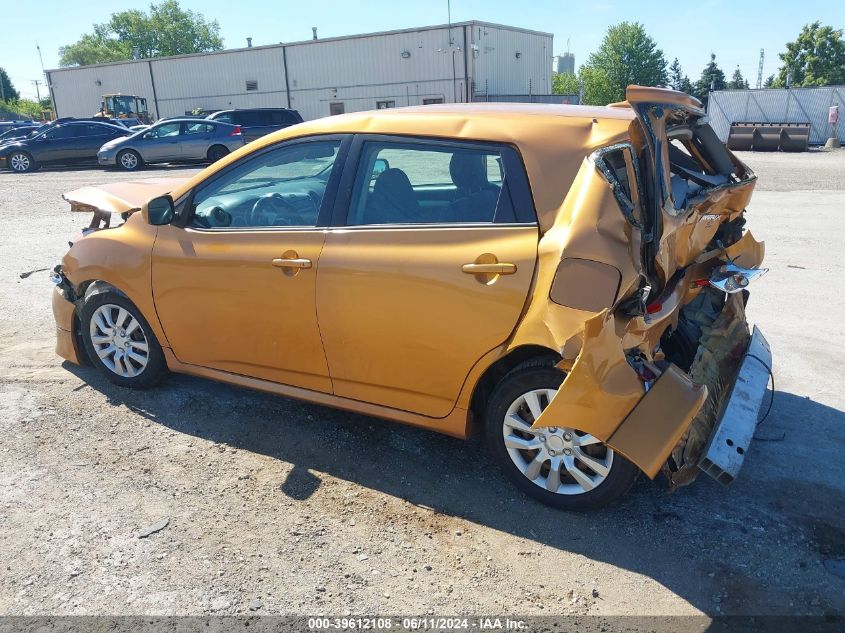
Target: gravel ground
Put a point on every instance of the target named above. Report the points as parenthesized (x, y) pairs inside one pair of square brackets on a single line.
[(268, 505)]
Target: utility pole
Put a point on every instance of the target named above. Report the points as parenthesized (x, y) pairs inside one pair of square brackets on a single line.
[(760, 69)]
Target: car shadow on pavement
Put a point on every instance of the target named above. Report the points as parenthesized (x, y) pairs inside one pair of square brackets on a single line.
[(711, 545)]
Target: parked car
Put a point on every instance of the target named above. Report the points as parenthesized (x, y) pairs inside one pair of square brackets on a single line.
[(9, 133), (8, 125), (173, 141), (126, 122), (69, 142), (571, 281), (256, 122)]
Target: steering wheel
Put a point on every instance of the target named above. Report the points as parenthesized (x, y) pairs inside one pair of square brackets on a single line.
[(268, 207)]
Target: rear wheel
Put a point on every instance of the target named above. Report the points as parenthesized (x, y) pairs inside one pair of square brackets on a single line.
[(216, 152), (120, 342), (561, 466), (21, 162), (130, 160)]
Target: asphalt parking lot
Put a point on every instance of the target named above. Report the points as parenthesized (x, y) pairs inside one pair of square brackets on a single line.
[(275, 506)]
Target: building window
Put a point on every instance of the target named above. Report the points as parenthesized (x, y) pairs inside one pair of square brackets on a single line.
[(251, 84), (381, 105), (432, 100), (336, 108)]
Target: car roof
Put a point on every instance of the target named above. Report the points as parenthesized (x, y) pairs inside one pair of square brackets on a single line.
[(188, 120), (553, 140), (253, 110)]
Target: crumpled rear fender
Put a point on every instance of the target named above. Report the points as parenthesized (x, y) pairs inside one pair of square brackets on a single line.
[(602, 395)]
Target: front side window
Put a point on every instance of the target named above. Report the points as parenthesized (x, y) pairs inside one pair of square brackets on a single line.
[(283, 187), (165, 130), (64, 131), (420, 183)]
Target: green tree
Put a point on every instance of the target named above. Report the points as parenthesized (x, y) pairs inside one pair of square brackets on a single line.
[(738, 82), (677, 79), (769, 83), (627, 55), (816, 58), (598, 87), (27, 108), (565, 84), (166, 30), (7, 89), (712, 78)]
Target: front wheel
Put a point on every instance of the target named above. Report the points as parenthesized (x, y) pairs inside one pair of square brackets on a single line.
[(130, 160), (21, 162), (561, 466), (120, 342)]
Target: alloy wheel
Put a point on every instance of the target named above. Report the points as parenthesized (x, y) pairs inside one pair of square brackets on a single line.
[(20, 162), (128, 160), (561, 460), (119, 340)]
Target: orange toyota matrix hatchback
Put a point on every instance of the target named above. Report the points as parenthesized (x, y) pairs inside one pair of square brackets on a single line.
[(570, 281)]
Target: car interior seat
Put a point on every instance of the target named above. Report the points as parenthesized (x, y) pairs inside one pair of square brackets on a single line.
[(393, 200), (476, 196)]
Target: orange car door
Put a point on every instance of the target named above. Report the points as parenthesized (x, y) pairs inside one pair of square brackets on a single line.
[(430, 270), (234, 287)]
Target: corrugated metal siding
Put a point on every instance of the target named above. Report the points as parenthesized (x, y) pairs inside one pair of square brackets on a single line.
[(497, 69), (78, 94), (798, 105), (218, 82), (358, 71)]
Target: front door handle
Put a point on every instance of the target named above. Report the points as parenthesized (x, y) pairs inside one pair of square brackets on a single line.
[(293, 262), (499, 268)]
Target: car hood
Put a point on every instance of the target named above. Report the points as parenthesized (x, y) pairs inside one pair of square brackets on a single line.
[(120, 197), (114, 142)]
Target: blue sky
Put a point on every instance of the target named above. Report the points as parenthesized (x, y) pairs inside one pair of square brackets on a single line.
[(735, 31)]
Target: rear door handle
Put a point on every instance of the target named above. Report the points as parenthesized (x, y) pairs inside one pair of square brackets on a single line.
[(499, 268), (292, 263)]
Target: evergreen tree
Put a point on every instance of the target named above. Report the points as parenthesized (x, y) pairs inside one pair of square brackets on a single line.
[(712, 78)]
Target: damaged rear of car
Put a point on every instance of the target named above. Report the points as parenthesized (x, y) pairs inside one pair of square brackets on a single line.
[(668, 373)]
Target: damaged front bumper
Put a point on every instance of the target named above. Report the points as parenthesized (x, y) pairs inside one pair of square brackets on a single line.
[(64, 311)]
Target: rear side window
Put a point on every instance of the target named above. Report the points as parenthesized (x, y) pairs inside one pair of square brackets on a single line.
[(199, 128), (617, 164), (437, 183), (227, 117), (249, 118)]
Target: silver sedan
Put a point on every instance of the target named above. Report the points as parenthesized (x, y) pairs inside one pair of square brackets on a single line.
[(176, 140)]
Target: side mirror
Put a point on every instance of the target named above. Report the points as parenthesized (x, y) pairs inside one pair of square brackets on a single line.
[(380, 166), (160, 211)]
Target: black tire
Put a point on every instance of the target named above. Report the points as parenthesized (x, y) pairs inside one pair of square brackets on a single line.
[(21, 162), (129, 160), (142, 377), (216, 152), (534, 375)]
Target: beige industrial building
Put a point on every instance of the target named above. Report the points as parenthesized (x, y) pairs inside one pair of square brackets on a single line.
[(465, 61)]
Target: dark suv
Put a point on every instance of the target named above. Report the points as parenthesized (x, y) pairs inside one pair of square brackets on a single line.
[(256, 122)]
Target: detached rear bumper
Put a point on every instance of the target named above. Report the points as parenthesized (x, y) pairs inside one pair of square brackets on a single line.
[(725, 451)]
